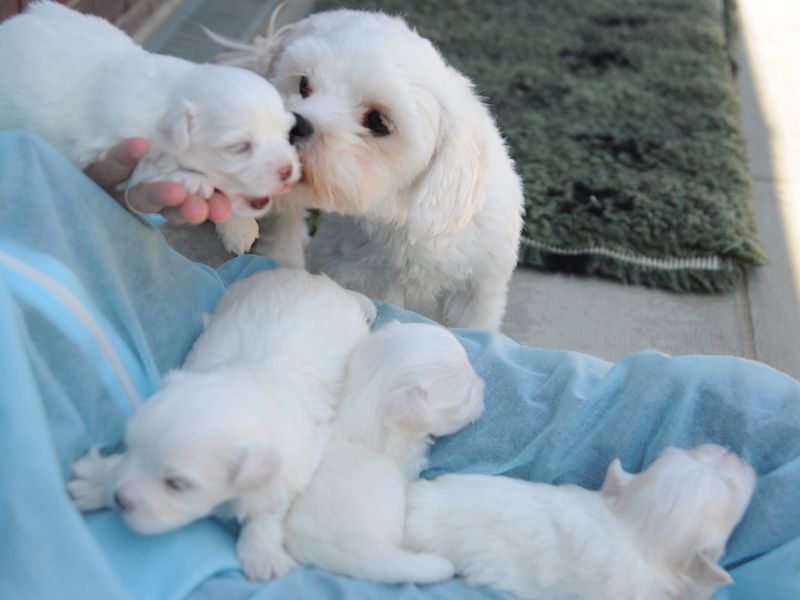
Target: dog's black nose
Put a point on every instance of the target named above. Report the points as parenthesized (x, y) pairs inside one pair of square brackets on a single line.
[(302, 128)]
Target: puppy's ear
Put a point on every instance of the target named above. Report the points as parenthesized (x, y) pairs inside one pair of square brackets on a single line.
[(451, 190), (407, 410), (176, 126), (616, 480), (254, 463), (702, 567)]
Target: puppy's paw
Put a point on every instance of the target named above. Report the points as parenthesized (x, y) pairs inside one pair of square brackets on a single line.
[(262, 564), (94, 476), (238, 234), (195, 183)]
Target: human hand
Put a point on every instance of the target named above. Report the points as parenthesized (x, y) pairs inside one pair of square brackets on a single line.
[(169, 199)]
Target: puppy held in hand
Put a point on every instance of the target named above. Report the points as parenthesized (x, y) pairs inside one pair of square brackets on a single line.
[(405, 384), (656, 535), (84, 86), (239, 429), (423, 197)]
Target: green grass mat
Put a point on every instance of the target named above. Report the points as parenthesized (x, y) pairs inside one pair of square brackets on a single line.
[(623, 119)]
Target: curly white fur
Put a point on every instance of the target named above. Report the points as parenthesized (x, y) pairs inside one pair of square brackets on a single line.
[(84, 85), (656, 535), (428, 206)]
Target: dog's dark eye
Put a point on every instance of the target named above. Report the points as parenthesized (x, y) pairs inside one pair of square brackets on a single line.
[(177, 484), (305, 87), (375, 122)]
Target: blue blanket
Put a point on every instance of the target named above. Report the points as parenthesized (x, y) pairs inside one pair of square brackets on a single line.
[(94, 306)]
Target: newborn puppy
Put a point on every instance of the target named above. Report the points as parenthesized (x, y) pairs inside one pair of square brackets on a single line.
[(398, 144), (656, 535), (405, 384), (84, 86), (239, 429)]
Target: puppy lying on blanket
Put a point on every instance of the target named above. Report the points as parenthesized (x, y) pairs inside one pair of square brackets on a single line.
[(240, 428), (405, 384), (656, 535), (84, 86)]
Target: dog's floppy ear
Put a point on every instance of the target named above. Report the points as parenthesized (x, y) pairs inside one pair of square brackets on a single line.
[(702, 567), (253, 464), (407, 410), (450, 190), (176, 126), (616, 480)]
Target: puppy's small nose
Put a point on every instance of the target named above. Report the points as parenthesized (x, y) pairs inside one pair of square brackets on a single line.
[(121, 501), (302, 128), (285, 172)]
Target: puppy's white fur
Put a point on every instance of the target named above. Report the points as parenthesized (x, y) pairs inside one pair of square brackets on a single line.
[(405, 383), (84, 86), (656, 535), (240, 428), (429, 213)]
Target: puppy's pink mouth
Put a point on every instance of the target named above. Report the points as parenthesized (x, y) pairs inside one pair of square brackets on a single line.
[(257, 203)]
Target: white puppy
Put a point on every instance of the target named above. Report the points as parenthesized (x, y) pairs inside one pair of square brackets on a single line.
[(405, 383), (84, 86), (240, 428), (656, 535), (398, 143)]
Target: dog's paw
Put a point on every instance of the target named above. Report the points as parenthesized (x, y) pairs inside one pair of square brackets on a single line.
[(94, 475), (263, 564), (238, 234), (195, 183)]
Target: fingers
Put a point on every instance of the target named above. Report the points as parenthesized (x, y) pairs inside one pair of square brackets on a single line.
[(117, 165), (219, 208), (170, 199)]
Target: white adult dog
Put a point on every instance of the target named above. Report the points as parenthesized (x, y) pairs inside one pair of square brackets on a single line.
[(405, 384), (397, 143), (84, 85), (656, 535), (240, 428)]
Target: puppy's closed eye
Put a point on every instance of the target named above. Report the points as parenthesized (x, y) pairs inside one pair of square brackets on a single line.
[(177, 484), (240, 148), (376, 123)]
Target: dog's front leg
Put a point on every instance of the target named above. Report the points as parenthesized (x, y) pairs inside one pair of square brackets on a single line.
[(260, 546), (238, 234), (284, 236), (479, 305)]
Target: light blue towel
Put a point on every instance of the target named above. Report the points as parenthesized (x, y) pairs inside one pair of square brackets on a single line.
[(94, 306)]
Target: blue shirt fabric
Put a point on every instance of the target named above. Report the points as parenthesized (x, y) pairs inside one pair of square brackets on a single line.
[(95, 306)]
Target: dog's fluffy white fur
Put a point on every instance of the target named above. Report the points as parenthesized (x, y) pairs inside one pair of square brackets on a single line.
[(427, 199), (84, 85), (239, 429), (405, 384), (656, 535)]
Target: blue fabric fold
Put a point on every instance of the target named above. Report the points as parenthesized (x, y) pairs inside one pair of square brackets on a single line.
[(552, 416)]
